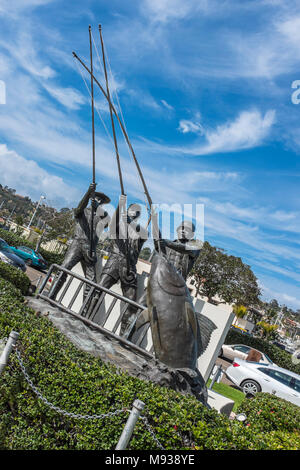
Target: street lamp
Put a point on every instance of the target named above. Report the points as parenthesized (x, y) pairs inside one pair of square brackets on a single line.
[(38, 205)]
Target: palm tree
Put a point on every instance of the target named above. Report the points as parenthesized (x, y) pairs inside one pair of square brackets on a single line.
[(267, 329), (239, 311)]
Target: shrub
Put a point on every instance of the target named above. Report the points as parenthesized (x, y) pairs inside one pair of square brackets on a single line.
[(268, 413), (15, 276), (277, 421), (80, 383), (15, 240), (278, 356)]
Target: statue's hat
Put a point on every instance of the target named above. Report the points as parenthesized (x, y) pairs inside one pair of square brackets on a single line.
[(187, 224), (104, 199)]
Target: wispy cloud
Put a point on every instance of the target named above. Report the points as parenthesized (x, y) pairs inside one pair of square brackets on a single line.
[(247, 131), (68, 97), (30, 179), (167, 105), (191, 126)]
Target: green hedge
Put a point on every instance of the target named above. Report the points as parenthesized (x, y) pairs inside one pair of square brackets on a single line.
[(277, 419), (15, 276), (15, 240), (278, 356), (80, 383)]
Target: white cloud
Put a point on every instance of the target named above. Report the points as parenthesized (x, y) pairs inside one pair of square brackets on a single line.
[(280, 291), (16, 7), (247, 131), (28, 178), (163, 11), (167, 105), (187, 126), (290, 28), (25, 51), (68, 97)]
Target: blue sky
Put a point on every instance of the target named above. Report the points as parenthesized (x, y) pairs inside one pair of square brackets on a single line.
[(205, 88)]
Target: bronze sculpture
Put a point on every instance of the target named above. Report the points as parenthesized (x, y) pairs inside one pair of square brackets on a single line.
[(179, 334), (128, 239), (182, 252), (79, 250)]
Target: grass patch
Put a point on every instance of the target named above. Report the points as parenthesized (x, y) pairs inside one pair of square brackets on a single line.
[(229, 392)]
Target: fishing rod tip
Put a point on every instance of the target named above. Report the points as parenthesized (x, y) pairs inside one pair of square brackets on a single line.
[(90, 27)]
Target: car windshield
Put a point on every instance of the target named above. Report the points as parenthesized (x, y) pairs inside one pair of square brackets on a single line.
[(268, 359), (5, 247)]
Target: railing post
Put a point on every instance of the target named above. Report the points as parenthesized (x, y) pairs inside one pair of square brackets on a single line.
[(215, 377), (11, 342), (137, 408)]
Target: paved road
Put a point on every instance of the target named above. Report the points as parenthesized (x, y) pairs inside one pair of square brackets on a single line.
[(34, 274)]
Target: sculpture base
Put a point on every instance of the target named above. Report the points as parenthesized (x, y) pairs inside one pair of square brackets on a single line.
[(185, 381)]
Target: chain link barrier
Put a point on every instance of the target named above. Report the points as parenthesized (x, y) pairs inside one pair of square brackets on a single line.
[(79, 416), (148, 426), (57, 408)]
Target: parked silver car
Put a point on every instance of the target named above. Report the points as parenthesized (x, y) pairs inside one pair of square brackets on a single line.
[(230, 351), (253, 377)]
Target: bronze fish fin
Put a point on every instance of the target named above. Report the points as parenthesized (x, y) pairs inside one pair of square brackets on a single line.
[(191, 317), (205, 329)]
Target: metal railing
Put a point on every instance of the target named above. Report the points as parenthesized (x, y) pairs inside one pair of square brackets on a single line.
[(92, 311)]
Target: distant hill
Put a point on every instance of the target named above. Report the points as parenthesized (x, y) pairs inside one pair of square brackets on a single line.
[(20, 208)]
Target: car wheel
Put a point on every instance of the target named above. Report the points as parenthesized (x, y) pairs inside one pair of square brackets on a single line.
[(250, 387)]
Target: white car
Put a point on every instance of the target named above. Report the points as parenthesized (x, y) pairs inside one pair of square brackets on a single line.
[(253, 377), (230, 351)]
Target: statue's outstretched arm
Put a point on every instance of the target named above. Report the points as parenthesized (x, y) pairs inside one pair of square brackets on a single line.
[(84, 201), (191, 248)]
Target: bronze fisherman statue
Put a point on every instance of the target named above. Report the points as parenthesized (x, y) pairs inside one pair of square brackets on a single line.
[(128, 238), (80, 248)]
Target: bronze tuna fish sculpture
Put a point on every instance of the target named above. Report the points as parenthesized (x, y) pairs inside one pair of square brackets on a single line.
[(179, 334)]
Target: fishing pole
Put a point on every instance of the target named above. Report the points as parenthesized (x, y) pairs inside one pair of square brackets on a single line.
[(93, 149), (116, 149), (122, 128), (111, 113)]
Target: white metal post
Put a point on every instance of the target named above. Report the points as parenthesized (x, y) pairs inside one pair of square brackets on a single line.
[(11, 342), (137, 408), (38, 205)]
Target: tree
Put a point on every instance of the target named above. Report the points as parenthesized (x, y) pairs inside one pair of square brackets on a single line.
[(224, 276), (145, 253), (239, 311), (19, 220), (271, 310), (60, 226), (268, 330)]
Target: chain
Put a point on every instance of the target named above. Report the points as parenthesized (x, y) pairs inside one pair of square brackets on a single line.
[(56, 408), (74, 415), (146, 422)]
